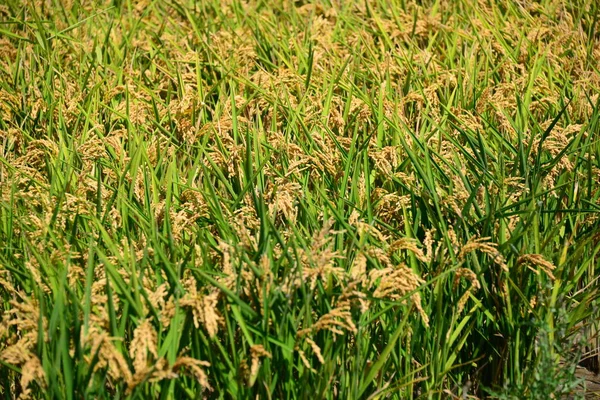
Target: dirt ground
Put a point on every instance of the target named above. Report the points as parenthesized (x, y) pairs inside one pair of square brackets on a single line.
[(591, 386)]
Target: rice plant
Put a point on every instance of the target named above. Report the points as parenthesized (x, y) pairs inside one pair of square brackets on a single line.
[(313, 199)]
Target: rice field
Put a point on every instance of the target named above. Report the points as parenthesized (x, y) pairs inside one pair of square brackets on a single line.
[(313, 199)]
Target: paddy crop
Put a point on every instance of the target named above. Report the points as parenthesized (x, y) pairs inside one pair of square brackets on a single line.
[(298, 199)]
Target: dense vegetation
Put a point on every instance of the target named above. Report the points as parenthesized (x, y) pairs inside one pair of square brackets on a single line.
[(298, 199)]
